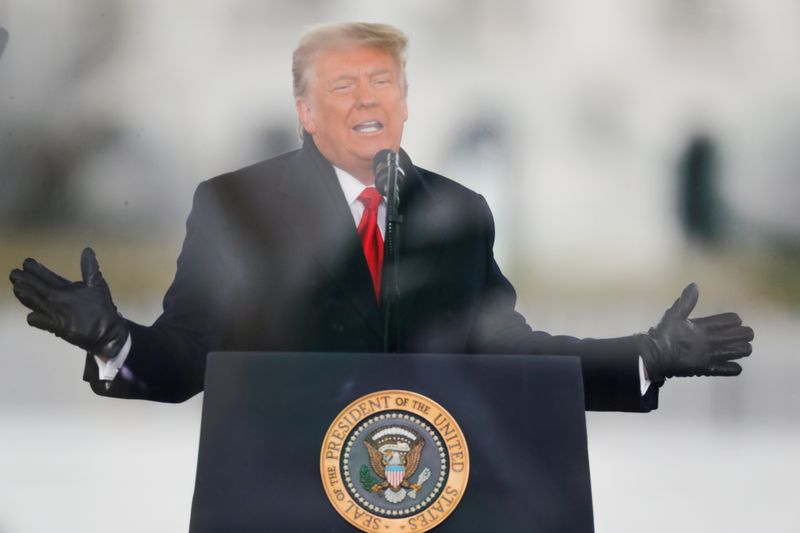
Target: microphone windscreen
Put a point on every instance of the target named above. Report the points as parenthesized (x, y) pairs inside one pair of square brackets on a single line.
[(381, 164)]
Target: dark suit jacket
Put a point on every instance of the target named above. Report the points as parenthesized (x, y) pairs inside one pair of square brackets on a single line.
[(272, 261)]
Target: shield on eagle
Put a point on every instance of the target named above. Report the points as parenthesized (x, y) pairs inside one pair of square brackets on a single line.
[(395, 475)]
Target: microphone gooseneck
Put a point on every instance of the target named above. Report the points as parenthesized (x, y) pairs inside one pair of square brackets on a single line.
[(389, 180)]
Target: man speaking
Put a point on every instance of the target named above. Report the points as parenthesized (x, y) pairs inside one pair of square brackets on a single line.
[(287, 255)]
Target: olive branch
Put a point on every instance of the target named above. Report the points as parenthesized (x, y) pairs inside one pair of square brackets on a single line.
[(367, 481)]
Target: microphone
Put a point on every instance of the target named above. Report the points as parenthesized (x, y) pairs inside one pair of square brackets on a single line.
[(385, 164)]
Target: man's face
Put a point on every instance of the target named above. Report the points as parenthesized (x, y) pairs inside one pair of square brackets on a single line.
[(354, 106)]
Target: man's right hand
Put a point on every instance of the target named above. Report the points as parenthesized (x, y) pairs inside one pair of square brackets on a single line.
[(80, 312)]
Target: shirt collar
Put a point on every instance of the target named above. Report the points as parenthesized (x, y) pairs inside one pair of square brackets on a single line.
[(350, 185)]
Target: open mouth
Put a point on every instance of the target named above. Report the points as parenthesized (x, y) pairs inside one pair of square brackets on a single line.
[(370, 126)]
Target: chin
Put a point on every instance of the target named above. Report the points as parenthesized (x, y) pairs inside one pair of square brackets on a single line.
[(367, 152), (369, 149)]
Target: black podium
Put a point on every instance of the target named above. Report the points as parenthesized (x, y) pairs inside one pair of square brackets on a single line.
[(265, 416)]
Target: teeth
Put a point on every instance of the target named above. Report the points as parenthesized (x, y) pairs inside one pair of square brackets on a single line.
[(370, 126)]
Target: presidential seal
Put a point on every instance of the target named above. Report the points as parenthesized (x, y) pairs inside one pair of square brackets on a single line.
[(394, 461)]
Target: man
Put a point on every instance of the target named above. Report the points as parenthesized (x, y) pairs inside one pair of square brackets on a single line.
[(286, 255)]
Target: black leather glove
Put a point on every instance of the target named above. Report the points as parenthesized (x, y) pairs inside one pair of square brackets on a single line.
[(81, 312), (679, 346)]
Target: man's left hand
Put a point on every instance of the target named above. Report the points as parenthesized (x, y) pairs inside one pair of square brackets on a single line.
[(679, 346)]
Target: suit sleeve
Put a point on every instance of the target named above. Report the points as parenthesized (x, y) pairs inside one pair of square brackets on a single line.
[(609, 366), (167, 360)]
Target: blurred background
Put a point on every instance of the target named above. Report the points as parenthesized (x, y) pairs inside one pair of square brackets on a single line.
[(626, 147)]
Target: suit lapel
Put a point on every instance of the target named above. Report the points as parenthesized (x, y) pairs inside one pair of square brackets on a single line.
[(315, 208)]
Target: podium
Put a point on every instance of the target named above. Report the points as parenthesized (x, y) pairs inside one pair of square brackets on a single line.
[(265, 418)]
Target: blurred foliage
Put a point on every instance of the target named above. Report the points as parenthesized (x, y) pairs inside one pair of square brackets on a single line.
[(135, 267), (777, 272), (141, 266)]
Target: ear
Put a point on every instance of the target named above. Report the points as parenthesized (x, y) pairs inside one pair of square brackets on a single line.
[(305, 116)]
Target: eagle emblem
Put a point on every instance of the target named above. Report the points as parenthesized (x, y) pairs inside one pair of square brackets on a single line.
[(394, 456), (394, 461)]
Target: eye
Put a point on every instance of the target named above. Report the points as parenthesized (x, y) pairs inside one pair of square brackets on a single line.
[(342, 87), (382, 81)]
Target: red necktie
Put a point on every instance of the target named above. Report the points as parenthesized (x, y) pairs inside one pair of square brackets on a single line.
[(371, 239)]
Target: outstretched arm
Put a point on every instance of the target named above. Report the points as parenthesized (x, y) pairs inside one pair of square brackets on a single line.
[(677, 346)]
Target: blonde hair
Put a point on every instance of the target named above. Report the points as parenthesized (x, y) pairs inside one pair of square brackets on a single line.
[(327, 36)]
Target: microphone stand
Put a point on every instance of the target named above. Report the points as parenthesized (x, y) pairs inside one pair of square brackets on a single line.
[(391, 250)]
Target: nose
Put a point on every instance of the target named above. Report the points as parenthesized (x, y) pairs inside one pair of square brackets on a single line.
[(365, 95)]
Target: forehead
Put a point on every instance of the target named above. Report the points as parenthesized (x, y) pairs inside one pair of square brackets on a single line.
[(353, 60)]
